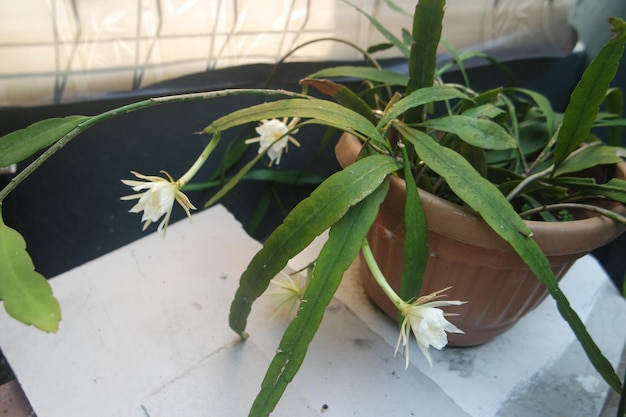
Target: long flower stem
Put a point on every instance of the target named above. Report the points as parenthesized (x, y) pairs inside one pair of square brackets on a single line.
[(193, 170), (81, 127), (379, 277)]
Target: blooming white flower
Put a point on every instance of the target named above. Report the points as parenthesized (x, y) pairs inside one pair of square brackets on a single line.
[(274, 137), (287, 292), (428, 324), (157, 199)]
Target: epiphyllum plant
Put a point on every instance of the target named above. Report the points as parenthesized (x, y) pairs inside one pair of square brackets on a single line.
[(402, 137)]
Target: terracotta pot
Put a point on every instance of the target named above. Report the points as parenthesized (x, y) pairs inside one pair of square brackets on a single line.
[(467, 255)]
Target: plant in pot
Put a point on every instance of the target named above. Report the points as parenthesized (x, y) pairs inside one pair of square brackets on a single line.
[(501, 160)]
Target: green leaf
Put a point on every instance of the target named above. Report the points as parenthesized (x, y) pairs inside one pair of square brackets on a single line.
[(427, 25), (397, 8), (383, 31), (293, 177), (615, 189), (590, 92), (467, 55), (26, 294), (21, 144), (344, 241), (379, 47), (415, 254), (420, 97), (232, 182), (544, 104), (485, 110), (261, 208), (590, 157), (323, 208), (366, 73), (614, 101), (481, 133), (497, 212), (343, 96), (323, 110)]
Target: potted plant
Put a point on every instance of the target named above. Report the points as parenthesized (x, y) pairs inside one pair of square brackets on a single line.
[(473, 148)]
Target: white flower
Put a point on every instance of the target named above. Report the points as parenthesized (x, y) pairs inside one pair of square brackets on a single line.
[(287, 292), (274, 138), (428, 324), (158, 199)]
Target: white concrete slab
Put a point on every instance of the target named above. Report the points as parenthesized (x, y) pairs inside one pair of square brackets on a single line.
[(145, 333)]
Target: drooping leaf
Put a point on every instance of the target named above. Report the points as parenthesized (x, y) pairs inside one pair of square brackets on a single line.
[(415, 254), (591, 157), (470, 55), (344, 241), (543, 103), (615, 189), (420, 97), (397, 8), (323, 208), (19, 145), (26, 294), (343, 96), (383, 31), (497, 212), (365, 73), (481, 133), (261, 209), (589, 94), (324, 110)]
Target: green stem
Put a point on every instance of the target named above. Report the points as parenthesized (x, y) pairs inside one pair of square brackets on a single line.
[(560, 206), (527, 181), (379, 277), (81, 127)]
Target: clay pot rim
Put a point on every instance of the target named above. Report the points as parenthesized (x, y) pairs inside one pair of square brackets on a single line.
[(461, 223)]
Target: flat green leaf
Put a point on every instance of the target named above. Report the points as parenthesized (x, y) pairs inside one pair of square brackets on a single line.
[(323, 110), (420, 97), (323, 208), (615, 189), (26, 294), (610, 123), (481, 133), (415, 256), (469, 185), (366, 73), (590, 157), (19, 145), (485, 110), (589, 94), (497, 212), (344, 241)]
